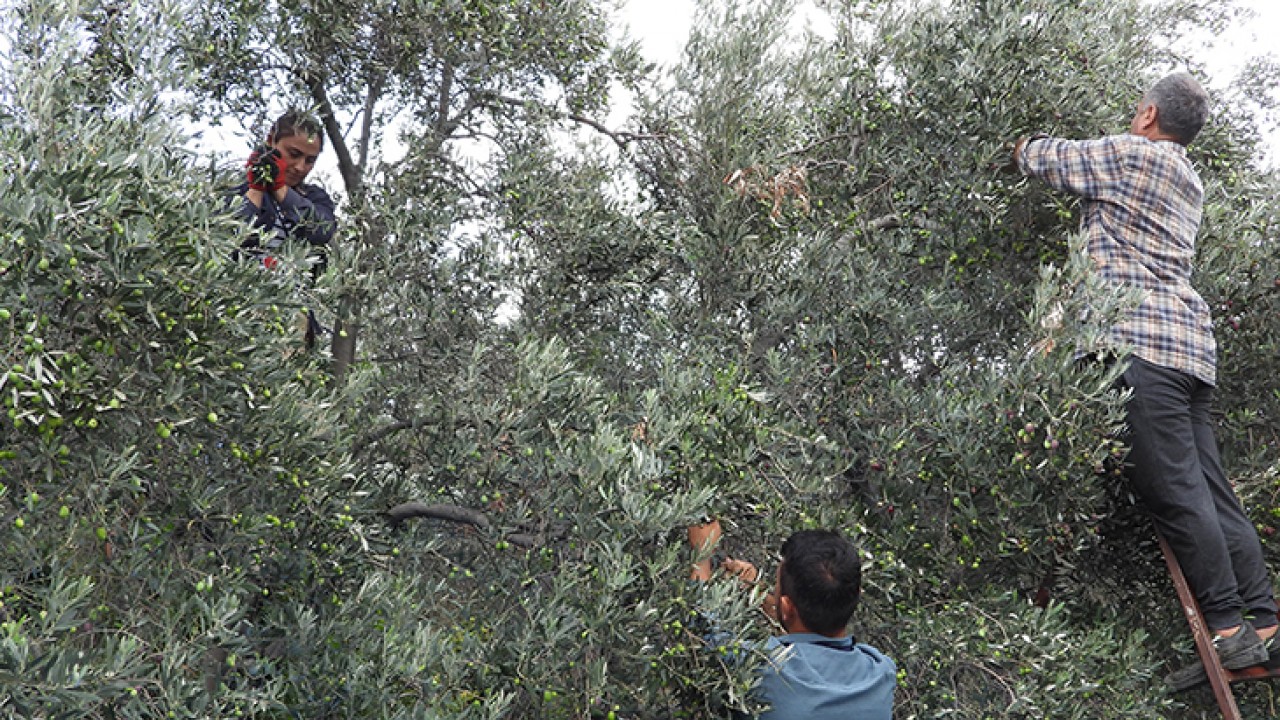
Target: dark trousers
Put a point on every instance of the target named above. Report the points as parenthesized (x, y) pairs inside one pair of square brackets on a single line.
[(1174, 467)]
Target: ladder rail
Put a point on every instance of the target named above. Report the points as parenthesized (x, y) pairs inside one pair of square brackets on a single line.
[(1219, 678)]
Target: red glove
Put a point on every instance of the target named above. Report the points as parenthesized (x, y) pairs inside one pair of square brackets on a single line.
[(266, 168)]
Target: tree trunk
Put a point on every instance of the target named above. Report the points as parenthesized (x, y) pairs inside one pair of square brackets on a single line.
[(346, 328)]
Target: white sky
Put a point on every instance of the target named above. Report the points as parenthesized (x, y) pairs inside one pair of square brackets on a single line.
[(662, 27)]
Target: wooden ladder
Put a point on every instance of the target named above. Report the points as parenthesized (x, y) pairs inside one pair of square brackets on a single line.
[(1220, 679)]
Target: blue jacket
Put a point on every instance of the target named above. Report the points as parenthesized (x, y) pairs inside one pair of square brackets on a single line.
[(814, 677)]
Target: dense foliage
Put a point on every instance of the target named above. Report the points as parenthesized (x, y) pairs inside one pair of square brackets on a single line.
[(799, 287)]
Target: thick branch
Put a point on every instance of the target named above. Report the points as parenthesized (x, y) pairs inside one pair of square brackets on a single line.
[(853, 147), (442, 102), (445, 125), (524, 540), (885, 222), (346, 166), (620, 137), (366, 123), (450, 125), (380, 434), (453, 513)]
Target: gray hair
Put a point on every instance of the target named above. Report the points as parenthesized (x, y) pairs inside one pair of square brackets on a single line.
[(1183, 106)]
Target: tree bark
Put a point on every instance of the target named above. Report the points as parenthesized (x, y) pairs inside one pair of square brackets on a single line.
[(346, 329), (346, 165)]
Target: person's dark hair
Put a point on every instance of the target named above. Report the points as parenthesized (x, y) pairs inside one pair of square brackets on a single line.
[(296, 122), (1182, 104), (822, 574)]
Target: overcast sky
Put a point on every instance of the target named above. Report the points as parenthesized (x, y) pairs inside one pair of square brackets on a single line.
[(662, 27)]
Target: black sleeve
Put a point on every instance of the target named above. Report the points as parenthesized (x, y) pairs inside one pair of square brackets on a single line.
[(308, 212), (252, 215)]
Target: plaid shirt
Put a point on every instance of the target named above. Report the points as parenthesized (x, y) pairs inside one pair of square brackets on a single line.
[(1141, 214)]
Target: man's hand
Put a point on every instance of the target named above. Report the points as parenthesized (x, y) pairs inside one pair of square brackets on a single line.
[(266, 170), (745, 571), (1019, 146), (1017, 149), (750, 575), (703, 538)]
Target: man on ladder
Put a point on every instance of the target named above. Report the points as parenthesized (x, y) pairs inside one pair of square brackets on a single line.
[(1142, 209)]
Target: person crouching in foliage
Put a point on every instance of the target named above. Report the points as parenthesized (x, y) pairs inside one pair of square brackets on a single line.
[(276, 199), (1142, 207), (817, 670)]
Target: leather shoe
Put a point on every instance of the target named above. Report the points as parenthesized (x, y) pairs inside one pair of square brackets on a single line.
[(1242, 650)]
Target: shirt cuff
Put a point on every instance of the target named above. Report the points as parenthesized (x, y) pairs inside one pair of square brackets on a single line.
[(1021, 156)]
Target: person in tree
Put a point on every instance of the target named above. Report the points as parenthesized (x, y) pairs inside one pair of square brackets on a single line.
[(817, 670), (1142, 210), (276, 198)]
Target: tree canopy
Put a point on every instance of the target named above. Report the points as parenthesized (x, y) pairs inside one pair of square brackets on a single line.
[(798, 286)]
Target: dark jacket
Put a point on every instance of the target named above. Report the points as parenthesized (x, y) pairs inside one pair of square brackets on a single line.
[(306, 214)]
